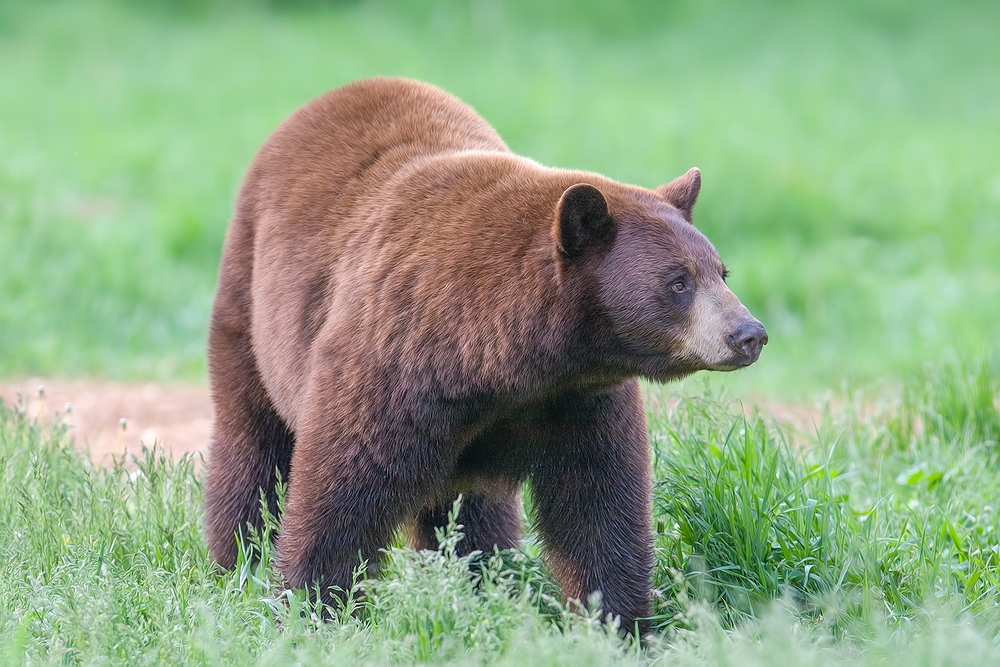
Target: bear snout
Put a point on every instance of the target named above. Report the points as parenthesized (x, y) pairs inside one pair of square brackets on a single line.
[(748, 340)]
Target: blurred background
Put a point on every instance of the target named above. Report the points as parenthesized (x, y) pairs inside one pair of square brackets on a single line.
[(850, 153)]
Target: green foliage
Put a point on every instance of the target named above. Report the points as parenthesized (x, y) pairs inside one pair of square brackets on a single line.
[(848, 152), (879, 517), (858, 542), (955, 406), (744, 517), (110, 565)]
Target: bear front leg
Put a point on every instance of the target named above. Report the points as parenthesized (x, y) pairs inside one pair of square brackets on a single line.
[(490, 518), (352, 484), (591, 491)]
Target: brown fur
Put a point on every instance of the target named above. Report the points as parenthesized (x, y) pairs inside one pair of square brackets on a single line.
[(406, 310)]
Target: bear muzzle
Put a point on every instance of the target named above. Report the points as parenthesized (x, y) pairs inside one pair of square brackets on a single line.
[(748, 340)]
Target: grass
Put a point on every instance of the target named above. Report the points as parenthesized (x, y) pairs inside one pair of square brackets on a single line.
[(874, 513), (848, 152), (871, 540)]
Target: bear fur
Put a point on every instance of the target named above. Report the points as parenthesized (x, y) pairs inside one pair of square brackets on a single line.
[(406, 311)]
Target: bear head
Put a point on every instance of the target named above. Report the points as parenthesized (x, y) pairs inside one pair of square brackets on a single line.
[(659, 283)]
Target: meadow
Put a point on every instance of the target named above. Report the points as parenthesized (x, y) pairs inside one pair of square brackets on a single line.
[(871, 540), (851, 183)]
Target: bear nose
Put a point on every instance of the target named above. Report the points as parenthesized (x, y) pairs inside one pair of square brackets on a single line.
[(748, 340)]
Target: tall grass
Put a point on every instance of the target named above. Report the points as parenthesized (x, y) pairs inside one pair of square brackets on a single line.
[(870, 540), (874, 515), (110, 564)]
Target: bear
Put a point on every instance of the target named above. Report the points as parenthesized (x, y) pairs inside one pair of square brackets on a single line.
[(407, 311)]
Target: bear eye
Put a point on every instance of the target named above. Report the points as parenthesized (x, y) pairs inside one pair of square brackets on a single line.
[(679, 286)]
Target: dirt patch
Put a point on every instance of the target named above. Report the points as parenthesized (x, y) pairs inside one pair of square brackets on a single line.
[(178, 417)]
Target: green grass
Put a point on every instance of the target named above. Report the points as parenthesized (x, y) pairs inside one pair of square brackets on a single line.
[(870, 514), (849, 154), (871, 540)]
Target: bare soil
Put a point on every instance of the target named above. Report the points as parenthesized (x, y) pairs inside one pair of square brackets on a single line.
[(177, 417)]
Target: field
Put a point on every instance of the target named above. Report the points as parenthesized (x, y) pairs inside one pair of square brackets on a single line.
[(849, 154), (870, 541)]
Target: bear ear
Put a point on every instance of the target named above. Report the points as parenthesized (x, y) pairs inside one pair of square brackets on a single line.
[(582, 220), (682, 192)]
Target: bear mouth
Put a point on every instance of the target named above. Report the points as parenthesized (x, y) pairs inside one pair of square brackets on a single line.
[(735, 362), (664, 368)]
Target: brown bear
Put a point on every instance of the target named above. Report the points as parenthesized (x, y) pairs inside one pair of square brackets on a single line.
[(407, 310)]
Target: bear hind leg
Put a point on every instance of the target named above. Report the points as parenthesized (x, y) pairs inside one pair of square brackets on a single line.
[(490, 518), (250, 445)]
